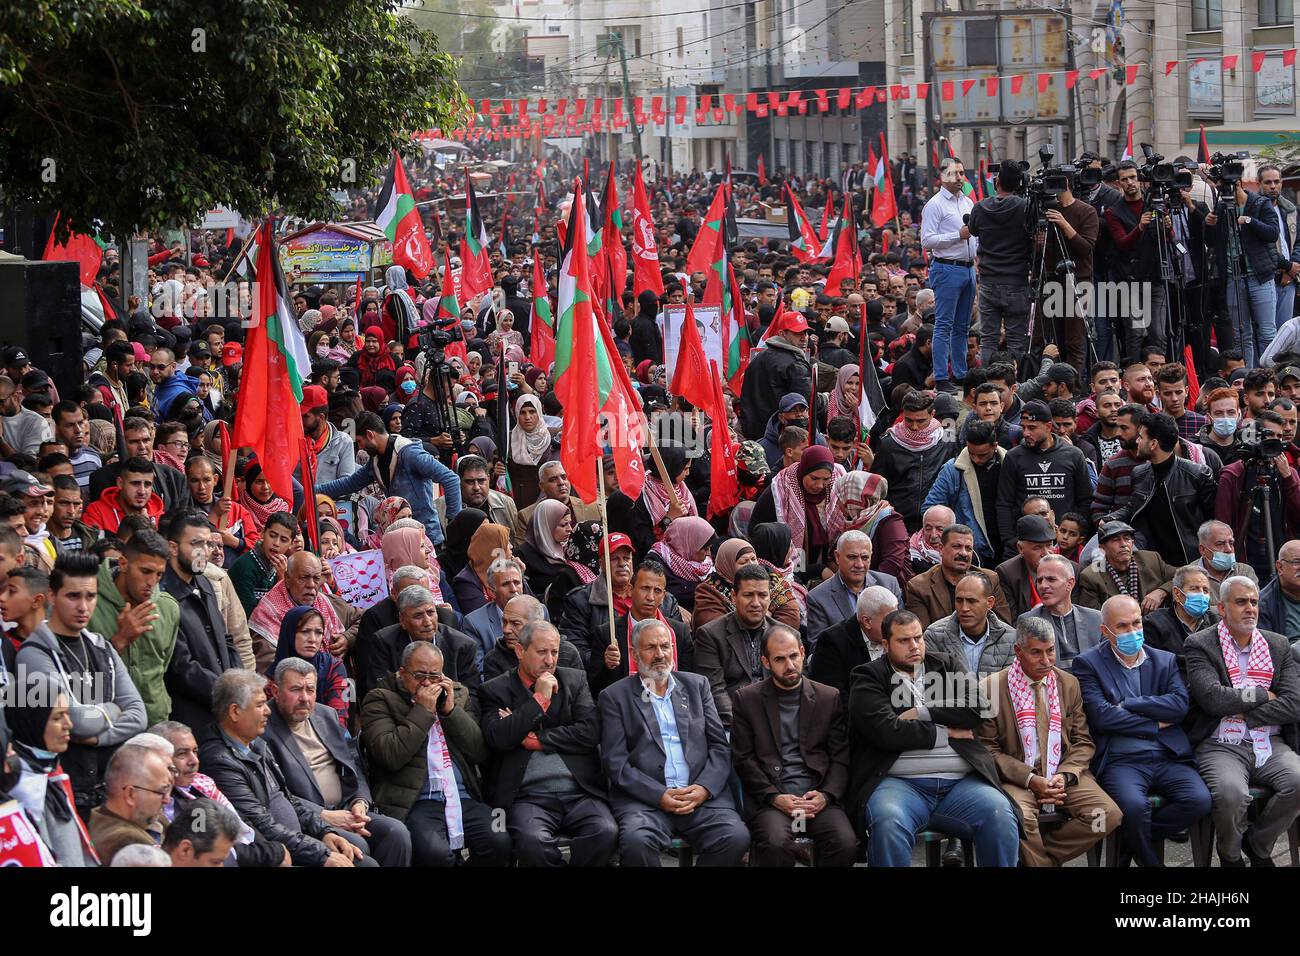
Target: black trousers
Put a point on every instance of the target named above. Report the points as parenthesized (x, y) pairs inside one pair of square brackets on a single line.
[(715, 832), (389, 843), (535, 822), (488, 842), (832, 834)]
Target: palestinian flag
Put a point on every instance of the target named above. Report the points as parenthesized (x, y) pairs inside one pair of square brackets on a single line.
[(541, 348), (871, 168), (86, 251), (724, 481), (594, 227), (804, 244), (706, 241), (276, 365), (1128, 149), (848, 259), (475, 266), (590, 380), (828, 219), (401, 223), (449, 308), (884, 205), (736, 343)]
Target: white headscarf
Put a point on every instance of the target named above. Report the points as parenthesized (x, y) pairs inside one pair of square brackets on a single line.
[(395, 276), (541, 530), (529, 448)]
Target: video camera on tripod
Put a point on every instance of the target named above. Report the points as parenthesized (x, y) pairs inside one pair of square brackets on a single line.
[(1165, 181), (433, 340)]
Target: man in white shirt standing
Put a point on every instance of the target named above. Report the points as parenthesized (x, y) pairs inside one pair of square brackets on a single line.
[(946, 238)]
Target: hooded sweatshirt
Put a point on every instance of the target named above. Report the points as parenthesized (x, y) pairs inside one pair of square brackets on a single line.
[(1005, 242), (107, 513), (1058, 474)]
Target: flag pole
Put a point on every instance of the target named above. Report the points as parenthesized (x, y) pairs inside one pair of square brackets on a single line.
[(609, 574), (228, 456), (663, 470), (242, 252)]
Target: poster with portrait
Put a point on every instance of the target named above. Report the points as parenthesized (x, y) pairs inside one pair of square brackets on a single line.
[(1205, 86), (708, 319)]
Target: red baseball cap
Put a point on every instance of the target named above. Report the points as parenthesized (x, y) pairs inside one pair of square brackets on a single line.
[(619, 540), (313, 397), (232, 353), (794, 322)]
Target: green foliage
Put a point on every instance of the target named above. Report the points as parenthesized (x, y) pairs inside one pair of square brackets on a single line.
[(140, 113), (1285, 151), (489, 49)]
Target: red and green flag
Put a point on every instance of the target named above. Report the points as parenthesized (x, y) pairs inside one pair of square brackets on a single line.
[(475, 266), (612, 243), (276, 365), (702, 254), (804, 244), (848, 259), (884, 205), (400, 221), (724, 480), (541, 348)]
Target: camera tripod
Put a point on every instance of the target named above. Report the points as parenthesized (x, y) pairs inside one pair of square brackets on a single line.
[(439, 373), (1064, 272), (1237, 276)]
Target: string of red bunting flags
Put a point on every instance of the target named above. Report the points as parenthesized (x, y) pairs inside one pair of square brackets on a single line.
[(536, 117)]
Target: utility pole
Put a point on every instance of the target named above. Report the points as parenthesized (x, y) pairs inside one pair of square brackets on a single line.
[(614, 41)]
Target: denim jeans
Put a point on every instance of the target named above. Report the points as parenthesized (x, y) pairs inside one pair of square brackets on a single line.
[(968, 808), (954, 294), (1285, 306), (1252, 310)]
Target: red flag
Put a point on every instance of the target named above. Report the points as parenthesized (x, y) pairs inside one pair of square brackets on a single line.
[(706, 240), (827, 215), (541, 348), (691, 374), (762, 171), (275, 365), (1203, 153), (724, 482), (884, 206), (1193, 383), (645, 248), (615, 253), (848, 261), (80, 248)]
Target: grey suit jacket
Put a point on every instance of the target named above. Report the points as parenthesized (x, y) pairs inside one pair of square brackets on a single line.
[(632, 748), (297, 772), (944, 637), (831, 601), (484, 625), (1087, 627)]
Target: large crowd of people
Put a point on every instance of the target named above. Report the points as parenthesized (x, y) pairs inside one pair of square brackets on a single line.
[(1035, 593)]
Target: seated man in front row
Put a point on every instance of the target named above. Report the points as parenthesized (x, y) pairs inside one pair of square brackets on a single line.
[(916, 762), (666, 758), (1040, 741), (1245, 704), (1136, 702)]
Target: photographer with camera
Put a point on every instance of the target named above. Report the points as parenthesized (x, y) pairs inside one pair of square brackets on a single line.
[(1288, 255), (1067, 241), (1243, 233), (1259, 495), (1005, 247), (1101, 196)]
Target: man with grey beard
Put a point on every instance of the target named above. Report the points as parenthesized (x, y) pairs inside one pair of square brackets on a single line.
[(667, 778)]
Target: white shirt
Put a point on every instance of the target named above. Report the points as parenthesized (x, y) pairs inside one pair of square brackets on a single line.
[(941, 223)]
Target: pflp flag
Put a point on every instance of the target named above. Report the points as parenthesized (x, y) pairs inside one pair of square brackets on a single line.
[(475, 266), (703, 252), (804, 244), (848, 258), (400, 221), (276, 364), (645, 248)]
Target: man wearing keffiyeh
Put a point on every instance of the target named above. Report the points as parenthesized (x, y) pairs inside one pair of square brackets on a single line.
[(1245, 690)]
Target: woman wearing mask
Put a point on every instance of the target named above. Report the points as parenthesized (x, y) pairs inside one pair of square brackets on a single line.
[(406, 384), (41, 723)]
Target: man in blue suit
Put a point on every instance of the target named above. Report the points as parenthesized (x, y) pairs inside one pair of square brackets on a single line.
[(836, 598), (667, 759), (1136, 701)]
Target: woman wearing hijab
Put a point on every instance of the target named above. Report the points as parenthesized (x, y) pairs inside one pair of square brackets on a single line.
[(802, 496), (257, 498), (531, 445), (459, 532), (862, 505), (653, 511), (406, 542), (684, 549), (582, 560), (846, 396), (543, 549), (347, 343), (399, 317), (489, 542), (388, 511), (40, 721), (504, 332), (406, 384), (772, 545), (333, 542), (302, 635), (392, 416), (713, 595), (373, 358)]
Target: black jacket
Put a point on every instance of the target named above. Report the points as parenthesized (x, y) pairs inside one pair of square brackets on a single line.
[(570, 727), (1005, 240), (877, 736), (297, 772), (601, 676), (1258, 239), (910, 474), (584, 620), (243, 779), (1064, 482), (502, 660), (646, 341), (838, 649), (913, 368), (1191, 490), (774, 370), (384, 656), (1163, 630), (204, 649)]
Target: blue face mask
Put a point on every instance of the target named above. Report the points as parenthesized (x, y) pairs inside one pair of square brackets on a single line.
[(1196, 604), (1224, 427), (408, 386), (1223, 562), (1130, 643)]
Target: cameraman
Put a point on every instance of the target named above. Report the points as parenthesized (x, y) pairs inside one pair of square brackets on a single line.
[(1245, 253), (1074, 224), (425, 420), (1202, 292), (1288, 256), (1263, 464), (1003, 268), (1101, 197), (1136, 260)]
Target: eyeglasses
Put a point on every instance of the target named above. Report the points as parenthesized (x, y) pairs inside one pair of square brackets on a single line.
[(176, 443), (426, 677), (1290, 562), (158, 793), (159, 366)]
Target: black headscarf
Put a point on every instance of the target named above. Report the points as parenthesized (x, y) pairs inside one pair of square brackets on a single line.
[(771, 542), (27, 718), (460, 530)]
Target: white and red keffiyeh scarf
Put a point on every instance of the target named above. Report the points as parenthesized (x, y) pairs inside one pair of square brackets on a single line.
[(1026, 713), (1259, 673)]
